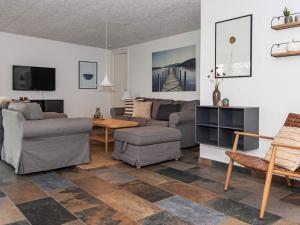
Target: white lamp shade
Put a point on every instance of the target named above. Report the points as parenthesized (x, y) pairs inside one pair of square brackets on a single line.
[(106, 82), (126, 96)]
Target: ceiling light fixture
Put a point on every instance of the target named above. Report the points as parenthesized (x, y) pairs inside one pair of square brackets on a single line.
[(106, 82)]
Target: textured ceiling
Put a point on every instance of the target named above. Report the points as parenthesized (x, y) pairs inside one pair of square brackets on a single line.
[(82, 21)]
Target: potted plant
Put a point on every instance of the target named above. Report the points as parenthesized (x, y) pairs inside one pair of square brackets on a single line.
[(216, 80), (287, 16)]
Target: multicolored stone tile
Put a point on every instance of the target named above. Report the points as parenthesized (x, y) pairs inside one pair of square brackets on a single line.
[(284, 222), (146, 191), (233, 221), (122, 167), (129, 204), (75, 199), (242, 212), (188, 191), (155, 167), (113, 176), (22, 222), (2, 194), (218, 188), (9, 212), (293, 198), (51, 181), (103, 215), (8, 176), (24, 192), (275, 206), (76, 222), (178, 175), (190, 211), (95, 185), (163, 218), (149, 177), (179, 165), (74, 173), (45, 211)]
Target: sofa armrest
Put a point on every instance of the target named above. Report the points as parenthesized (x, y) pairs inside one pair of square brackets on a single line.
[(181, 117), (56, 127), (117, 111)]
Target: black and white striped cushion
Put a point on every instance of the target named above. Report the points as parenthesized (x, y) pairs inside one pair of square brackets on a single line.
[(129, 106)]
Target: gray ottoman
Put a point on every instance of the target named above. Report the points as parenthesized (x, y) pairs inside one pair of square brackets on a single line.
[(142, 146)]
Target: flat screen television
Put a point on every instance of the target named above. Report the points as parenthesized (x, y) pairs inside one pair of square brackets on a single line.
[(29, 78)]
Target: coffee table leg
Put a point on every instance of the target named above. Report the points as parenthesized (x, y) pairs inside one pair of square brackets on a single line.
[(106, 140)]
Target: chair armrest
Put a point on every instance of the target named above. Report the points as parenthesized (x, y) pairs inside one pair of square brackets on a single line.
[(181, 117), (253, 135), (117, 111), (286, 146), (55, 127)]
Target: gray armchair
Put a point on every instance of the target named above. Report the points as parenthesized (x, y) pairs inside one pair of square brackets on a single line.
[(33, 145)]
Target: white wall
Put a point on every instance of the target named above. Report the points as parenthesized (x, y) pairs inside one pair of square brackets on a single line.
[(140, 65), (274, 86), (23, 50)]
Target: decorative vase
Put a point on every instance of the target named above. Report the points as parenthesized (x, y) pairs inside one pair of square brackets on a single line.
[(286, 19), (216, 96), (291, 19)]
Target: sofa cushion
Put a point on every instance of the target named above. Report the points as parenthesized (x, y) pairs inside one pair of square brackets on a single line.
[(31, 111), (142, 109), (165, 111), (160, 123), (147, 135), (156, 104), (188, 105)]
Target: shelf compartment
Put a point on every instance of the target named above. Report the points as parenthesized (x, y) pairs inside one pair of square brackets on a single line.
[(226, 139), (207, 115), (232, 118), (207, 135)]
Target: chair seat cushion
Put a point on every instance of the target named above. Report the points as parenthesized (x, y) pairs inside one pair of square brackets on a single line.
[(253, 162), (286, 157)]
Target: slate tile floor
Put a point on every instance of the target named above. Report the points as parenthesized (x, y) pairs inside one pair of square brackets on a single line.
[(172, 193)]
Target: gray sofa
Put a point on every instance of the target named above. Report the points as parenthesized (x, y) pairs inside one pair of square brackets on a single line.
[(35, 142), (184, 120)]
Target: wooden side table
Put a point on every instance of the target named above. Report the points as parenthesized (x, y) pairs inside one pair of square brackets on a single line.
[(109, 124)]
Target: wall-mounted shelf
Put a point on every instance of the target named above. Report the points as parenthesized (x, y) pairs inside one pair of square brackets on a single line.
[(216, 126), (286, 26), (281, 25), (286, 54)]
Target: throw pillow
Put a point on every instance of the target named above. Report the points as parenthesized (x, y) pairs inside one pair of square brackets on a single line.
[(129, 106), (164, 111), (31, 111), (285, 157), (142, 109)]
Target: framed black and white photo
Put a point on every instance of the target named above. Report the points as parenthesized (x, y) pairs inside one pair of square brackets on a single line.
[(87, 75), (233, 47)]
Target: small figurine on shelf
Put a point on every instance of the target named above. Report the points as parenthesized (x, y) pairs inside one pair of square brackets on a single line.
[(98, 114)]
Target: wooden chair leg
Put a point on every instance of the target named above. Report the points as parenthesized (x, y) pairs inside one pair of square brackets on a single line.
[(229, 172), (288, 181), (267, 185)]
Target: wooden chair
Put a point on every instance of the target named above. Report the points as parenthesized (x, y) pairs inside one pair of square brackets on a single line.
[(259, 164)]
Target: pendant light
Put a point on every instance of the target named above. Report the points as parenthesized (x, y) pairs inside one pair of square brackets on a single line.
[(106, 82)]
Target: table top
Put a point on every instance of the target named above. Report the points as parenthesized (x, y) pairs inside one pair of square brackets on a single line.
[(114, 123)]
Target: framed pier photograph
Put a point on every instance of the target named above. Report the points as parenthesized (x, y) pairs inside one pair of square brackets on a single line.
[(174, 70)]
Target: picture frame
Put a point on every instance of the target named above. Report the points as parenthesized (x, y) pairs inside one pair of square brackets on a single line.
[(174, 70), (87, 75), (233, 47)]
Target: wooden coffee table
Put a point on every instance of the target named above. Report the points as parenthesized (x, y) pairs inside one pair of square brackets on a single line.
[(109, 124)]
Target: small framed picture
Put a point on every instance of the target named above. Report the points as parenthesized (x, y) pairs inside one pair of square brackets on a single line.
[(87, 75)]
